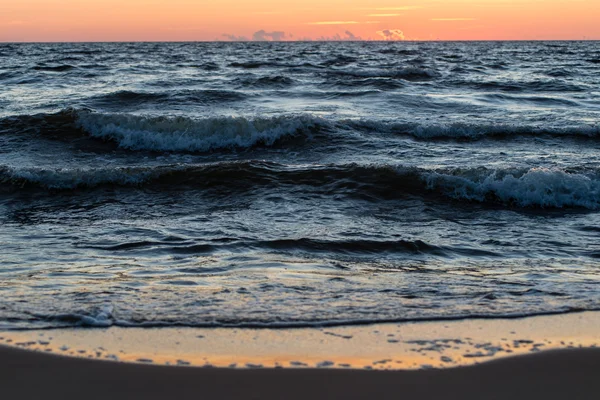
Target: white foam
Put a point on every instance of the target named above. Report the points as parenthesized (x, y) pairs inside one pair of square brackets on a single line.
[(103, 318), (188, 134), (540, 187)]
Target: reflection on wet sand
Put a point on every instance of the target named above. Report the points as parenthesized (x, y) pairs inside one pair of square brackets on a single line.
[(439, 344)]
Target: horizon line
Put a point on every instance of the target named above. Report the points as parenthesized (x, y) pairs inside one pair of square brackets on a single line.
[(300, 41)]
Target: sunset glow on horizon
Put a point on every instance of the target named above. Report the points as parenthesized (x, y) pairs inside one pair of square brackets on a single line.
[(233, 20)]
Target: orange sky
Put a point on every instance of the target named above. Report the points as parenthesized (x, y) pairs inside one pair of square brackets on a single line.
[(166, 20)]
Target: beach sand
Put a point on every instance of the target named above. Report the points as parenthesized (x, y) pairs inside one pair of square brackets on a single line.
[(549, 357), (558, 374)]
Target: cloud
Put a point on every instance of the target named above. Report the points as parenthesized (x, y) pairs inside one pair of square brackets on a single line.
[(333, 23), (453, 19), (263, 36), (347, 36), (235, 38), (384, 15), (351, 36), (391, 34)]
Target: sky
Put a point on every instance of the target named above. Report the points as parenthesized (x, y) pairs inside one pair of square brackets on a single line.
[(208, 20)]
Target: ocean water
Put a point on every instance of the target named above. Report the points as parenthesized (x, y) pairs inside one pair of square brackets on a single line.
[(297, 184)]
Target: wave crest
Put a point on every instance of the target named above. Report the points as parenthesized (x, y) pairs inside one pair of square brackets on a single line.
[(468, 131), (190, 135), (538, 187), (535, 187)]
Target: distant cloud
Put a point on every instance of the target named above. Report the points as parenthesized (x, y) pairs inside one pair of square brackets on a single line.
[(383, 15), (351, 36), (453, 19), (347, 36), (235, 38), (263, 36), (334, 23), (391, 34)]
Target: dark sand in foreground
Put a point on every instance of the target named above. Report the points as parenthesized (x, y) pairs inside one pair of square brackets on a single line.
[(559, 374)]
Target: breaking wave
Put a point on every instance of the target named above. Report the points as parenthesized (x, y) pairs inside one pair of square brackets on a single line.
[(186, 134), (190, 135), (469, 131), (537, 187), (534, 187)]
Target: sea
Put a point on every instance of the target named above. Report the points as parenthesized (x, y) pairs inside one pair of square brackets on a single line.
[(297, 184)]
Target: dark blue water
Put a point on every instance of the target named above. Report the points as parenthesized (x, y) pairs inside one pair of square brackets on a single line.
[(297, 183)]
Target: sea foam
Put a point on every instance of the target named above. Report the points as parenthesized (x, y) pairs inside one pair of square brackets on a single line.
[(189, 134), (515, 187), (541, 187)]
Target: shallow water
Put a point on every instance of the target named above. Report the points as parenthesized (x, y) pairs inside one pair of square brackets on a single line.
[(284, 184)]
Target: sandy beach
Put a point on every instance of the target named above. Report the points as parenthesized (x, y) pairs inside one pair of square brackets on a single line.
[(545, 357), (549, 375)]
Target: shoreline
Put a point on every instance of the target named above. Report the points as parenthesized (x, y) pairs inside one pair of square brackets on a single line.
[(549, 357), (386, 346)]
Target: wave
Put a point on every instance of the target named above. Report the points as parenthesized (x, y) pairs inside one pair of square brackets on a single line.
[(84, 52), (192, 135), (411, 73), (116, 100), (56, 68), (276, 81), (185, 134), (363, 246), (378, 83), (402, 52), (252, 64), (339, 61), (537, 100), (539, 187), (533, 187), (558, 72), (208, 66), (8, 75), (468, 131), (541, 86), (303, 244), (105, 316)]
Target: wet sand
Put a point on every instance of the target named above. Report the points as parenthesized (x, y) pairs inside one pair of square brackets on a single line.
[(545, 357), (386, 346), (557, 374)]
